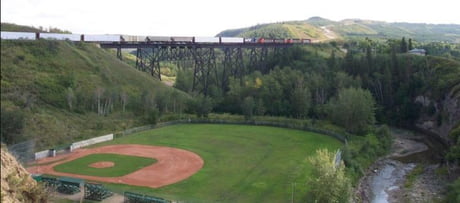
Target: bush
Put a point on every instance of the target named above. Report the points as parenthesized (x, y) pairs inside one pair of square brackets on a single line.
[(384, 136), (152, 115), (201, 106), (247, 107), (453, 194)]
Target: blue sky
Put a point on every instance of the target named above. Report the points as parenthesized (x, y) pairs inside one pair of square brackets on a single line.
[(208, 17)]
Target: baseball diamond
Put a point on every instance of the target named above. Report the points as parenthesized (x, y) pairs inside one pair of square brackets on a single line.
[(172, 165)]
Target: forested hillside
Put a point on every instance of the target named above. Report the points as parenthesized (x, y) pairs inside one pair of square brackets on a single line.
[(371, 82), (321, 29), (57, 91)]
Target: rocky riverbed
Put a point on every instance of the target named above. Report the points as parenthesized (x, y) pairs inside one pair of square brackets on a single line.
[(387, 179)]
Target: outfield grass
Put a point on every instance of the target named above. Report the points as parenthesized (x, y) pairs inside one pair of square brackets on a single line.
[(242, 163), (123, 165)]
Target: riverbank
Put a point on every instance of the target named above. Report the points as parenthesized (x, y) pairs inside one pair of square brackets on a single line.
[(410, 173)]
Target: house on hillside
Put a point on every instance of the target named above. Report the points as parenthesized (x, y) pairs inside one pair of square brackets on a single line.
[(421, 52)]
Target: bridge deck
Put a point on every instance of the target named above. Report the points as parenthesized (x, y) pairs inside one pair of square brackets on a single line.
[(190, 45)]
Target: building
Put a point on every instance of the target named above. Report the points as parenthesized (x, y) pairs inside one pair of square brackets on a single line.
[(421, 52)]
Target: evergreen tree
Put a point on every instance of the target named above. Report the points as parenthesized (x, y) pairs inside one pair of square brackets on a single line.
[(410, 44), (403, 45)]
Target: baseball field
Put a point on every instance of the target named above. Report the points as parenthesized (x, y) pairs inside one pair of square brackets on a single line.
[(205, 163)]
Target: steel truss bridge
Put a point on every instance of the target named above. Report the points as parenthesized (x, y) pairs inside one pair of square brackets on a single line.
[(204, 58)]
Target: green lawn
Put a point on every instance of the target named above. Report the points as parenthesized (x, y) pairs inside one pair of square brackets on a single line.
[(123, 165), (242, 163)]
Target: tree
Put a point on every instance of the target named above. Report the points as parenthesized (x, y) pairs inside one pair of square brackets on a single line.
[(300, 100), (247, 107), (410, 44), (329, 182), (353, 109), (98, 93), (403, 45), (184, 80), (123, 100), (70, 96), (332, 61)]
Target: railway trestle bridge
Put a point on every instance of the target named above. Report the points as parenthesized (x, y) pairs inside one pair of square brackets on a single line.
[(204, 58)]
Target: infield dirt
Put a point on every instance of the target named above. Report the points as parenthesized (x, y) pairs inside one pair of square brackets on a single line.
[(173, 165)]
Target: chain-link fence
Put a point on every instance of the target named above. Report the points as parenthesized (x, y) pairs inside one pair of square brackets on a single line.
[(282, 124), (24, 151)]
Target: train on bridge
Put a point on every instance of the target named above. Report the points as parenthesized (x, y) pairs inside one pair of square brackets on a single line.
[(120, 39)]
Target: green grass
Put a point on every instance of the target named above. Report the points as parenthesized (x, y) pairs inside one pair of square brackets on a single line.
[(123, 165), (412, 176), (40, 78), (241, 163)]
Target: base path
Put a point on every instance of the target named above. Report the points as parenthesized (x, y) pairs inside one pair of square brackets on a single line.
[(173, 165)]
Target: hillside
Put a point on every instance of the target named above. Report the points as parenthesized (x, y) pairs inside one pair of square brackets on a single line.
[(56, 92), (11, 27), (321, 29)]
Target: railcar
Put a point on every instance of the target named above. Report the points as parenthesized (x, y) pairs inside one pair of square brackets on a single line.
[(133, 38), (208, 40), (59, 36), (231, 40), (18, 35), (100, 38), (158, 39), (183, 40)]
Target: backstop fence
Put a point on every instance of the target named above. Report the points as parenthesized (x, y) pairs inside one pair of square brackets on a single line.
[(24, 151)]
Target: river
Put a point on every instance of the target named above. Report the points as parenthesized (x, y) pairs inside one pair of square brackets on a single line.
[(386, 180)]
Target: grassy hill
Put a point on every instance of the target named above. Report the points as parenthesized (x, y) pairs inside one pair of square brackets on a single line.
[(318, 29), (57, 91), (22, 28)]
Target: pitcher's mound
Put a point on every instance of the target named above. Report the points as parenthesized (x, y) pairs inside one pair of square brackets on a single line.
[(102, 164)]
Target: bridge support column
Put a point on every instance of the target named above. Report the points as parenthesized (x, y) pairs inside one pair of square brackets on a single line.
[(205, 61), (139, 60), (258, 60), (232, 66), (119, 53), (148, 60)]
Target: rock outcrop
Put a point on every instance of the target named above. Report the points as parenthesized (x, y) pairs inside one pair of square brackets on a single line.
[(445, 115), (16, 183)]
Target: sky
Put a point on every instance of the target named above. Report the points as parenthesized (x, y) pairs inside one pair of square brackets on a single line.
[(209, 17)]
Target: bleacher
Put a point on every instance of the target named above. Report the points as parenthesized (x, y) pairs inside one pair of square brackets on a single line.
[(93, 191), (49, 182), (131, 197), (69, 185), (97, 192)]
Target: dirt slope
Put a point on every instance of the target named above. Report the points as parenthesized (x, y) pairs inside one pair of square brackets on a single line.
[(16, 183)]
